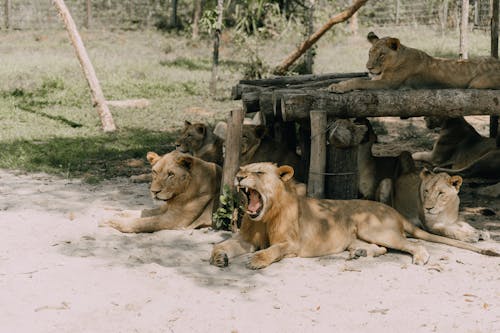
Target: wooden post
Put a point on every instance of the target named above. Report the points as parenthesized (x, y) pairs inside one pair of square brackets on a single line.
[(215, 60), (463, 54), (8, 6), (233, 143), (398, 11), (494, 53), (317, 166), (98, 99), (88, 13)]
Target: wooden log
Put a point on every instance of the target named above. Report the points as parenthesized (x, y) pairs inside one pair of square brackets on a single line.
[(233, 143), (238, 90), (98, 100), (299, 79), (494, 54), (250, 101), (317, 166), (396, 103), (342, 163)]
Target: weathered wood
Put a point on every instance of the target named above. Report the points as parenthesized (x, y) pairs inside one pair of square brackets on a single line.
[(396, 103), (345, 134), (233, 143), (317, 166), (464, 23), (238, 90), (311, 40), (300, 79), (98, 100), (494, 53)]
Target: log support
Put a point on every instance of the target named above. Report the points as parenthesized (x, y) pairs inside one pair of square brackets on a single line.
[(317, 167)]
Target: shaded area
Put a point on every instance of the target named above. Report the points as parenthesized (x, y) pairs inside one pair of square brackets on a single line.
[(93, 158)]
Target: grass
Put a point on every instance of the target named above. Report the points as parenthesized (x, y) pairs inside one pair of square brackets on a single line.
[(47, 122)]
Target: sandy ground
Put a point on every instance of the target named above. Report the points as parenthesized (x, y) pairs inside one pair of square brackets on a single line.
[(60, 272)]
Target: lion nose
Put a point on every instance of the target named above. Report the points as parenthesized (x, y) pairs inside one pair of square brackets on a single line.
[(155, 192)]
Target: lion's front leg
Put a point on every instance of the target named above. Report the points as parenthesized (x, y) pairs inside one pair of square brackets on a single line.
[(264, 258), (228, 249), (362, 84)]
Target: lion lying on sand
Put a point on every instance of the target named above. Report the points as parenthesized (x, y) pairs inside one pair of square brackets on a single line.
[(279, 223), (187, 186)]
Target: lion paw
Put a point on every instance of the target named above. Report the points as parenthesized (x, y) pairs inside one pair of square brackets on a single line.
[(421, 256), (336, 88), (219, 259), (357, 253), (484, 235), (258, 261)]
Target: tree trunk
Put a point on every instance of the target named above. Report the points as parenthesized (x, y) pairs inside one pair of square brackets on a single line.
[(8, 6), (173, 15), (88, 14), (296, 105), (98, 99), (494, 53), (215, 59), (464, 22), (198, 8), (341, 17), (310, 30)]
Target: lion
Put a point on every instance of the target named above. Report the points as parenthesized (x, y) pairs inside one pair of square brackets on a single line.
[(393, 65), (372, 170), (187, 186), (458, 144), (198, 140), (279, 223), (430, 201)]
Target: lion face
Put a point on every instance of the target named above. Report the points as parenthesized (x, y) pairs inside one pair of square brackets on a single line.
[(171, 174), (383, 53), (439, 193), (191, 138), (262, 184), (251, 137)]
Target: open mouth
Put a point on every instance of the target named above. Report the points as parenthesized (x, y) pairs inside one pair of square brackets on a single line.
[(254, 201)]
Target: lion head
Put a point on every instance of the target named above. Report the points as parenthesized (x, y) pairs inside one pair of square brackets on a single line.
[(383, 53), (251, 138), (439, 194), (263, 185), (171, 174), (191, 138)]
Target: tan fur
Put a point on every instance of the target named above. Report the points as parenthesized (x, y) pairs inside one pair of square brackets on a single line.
[(187, 185), (393, 65), (373, 169), (283, 224), (458, 144), (198, 140), (431, 201)]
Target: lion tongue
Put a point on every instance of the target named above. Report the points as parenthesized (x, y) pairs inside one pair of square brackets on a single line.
[(254, 203)]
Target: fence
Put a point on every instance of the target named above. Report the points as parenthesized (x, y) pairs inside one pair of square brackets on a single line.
[(141, 14)]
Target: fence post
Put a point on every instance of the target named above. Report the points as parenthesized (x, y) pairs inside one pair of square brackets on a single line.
[(8, 6), (494, 53), (317, 166)]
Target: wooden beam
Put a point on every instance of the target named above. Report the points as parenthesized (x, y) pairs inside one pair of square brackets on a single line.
[(317, 166), (98, 100), (296, 105), (299, 79), (233, 143)]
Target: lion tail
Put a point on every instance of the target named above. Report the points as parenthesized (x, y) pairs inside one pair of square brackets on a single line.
[(424, 235)]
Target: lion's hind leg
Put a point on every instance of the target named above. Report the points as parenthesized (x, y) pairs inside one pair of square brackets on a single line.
[(393, 238), (359, 248), (461, 231), (485, 81)]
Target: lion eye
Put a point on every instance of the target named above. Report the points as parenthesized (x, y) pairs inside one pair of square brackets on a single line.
[(259, 173)]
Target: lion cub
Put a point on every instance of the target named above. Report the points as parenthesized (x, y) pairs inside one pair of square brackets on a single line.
[(199, 140)]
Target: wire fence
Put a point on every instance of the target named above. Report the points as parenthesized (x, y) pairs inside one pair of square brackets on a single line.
[(142, 14)]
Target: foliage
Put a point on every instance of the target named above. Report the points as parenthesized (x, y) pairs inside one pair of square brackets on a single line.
[(229, 209)]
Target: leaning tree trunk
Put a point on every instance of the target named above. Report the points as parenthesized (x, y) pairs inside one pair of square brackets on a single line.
[(339, 18), (98, 100), (215, 59)]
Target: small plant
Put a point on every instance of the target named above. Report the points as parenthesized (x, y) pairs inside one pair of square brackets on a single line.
[(229, 210)]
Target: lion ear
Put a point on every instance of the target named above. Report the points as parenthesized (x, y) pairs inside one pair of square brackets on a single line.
[(152, 157), (260, 131), (187, 123), (456, 182), (393, 43), (201, 128), (425, 173), (372, 38), (285, 172), (185, 161)]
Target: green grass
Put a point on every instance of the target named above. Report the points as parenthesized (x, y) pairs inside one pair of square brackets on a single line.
[(47, 122)]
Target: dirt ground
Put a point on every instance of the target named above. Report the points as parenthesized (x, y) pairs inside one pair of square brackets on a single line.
[(60, 272)]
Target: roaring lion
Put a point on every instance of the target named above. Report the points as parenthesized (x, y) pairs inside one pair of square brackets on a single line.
[(393, 65), (430, 201), (199, 140), (279, 223), (458, 144), (187, 186)]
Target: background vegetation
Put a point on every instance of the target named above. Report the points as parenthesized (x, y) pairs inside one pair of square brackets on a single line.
[(46, 119)]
